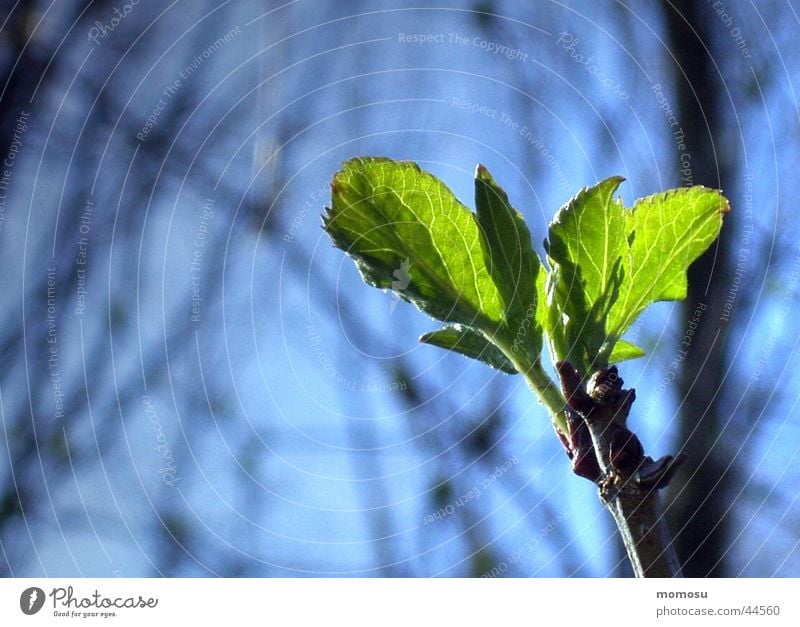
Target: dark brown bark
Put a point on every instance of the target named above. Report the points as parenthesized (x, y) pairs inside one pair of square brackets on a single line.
[(699, 505), (613, 458)]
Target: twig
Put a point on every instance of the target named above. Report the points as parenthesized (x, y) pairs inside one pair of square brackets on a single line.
[(605, 451)]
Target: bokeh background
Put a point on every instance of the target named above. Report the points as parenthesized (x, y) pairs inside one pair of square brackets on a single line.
[(195, 383)]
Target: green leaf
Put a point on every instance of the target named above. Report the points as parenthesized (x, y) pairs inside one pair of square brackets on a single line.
[(623, 351), (390, 215), (609, 264), (667, 232), (542, 305), (407, 232), (471, 343), (585, 247), (513, 265)]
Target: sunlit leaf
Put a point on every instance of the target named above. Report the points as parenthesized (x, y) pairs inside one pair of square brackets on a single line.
[(586, 248), (667, 232), (471, 343), (623, 351), (609, 264), (407, 232), (513, 265), (389, 215)]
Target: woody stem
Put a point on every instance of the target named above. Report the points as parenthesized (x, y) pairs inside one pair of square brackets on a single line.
[(640, 521), (628, 480)]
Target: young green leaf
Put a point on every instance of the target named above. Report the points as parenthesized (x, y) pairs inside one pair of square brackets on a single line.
[(471, 343), (513, 265), (624, 351), (407, 232), (667, 232), (609, 264), (585, 248), (388, 215)]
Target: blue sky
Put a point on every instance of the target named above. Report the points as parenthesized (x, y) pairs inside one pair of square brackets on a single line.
[(295, 454)]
